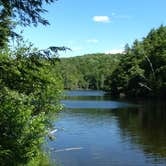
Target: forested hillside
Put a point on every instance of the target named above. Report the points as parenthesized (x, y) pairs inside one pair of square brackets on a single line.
[(88, 71), (32, 80), (140, 71)]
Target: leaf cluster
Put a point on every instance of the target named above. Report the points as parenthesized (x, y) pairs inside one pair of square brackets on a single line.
[(141, 71), (29, 94)]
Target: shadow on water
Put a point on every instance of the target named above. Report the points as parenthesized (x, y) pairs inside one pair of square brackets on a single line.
[(108, 135), (146, 127)]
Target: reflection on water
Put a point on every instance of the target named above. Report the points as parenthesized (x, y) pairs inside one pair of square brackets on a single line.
[(98, 104), (84, 93), (125, 136)]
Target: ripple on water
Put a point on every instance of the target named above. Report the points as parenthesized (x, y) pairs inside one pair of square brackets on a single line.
[(96, 104)]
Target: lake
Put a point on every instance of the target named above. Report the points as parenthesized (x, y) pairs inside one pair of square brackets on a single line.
[(94, 130)]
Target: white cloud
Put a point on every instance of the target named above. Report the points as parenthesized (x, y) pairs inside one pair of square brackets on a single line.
[(103, 19), (115, 51), (92, 41), (76, 49), (113, 14)]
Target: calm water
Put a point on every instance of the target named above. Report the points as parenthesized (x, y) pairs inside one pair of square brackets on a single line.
[(94, 130)]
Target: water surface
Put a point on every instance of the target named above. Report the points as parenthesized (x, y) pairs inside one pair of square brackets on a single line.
[(94, 130)]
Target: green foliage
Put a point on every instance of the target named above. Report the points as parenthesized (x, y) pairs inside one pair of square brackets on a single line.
[(21, 132), (141, 71), (29, 92), (30, 88), (41, 160), (25, 13), (88, 71)]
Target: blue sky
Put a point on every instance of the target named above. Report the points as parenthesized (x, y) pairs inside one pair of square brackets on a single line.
[(91, 26)]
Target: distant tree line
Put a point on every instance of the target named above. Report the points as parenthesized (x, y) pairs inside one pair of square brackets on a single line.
[(32, 80), (140, 71), (87, 72)]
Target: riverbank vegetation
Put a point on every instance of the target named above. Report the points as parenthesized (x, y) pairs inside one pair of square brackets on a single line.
[(140, 71), (32, 80), (30, 89)]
